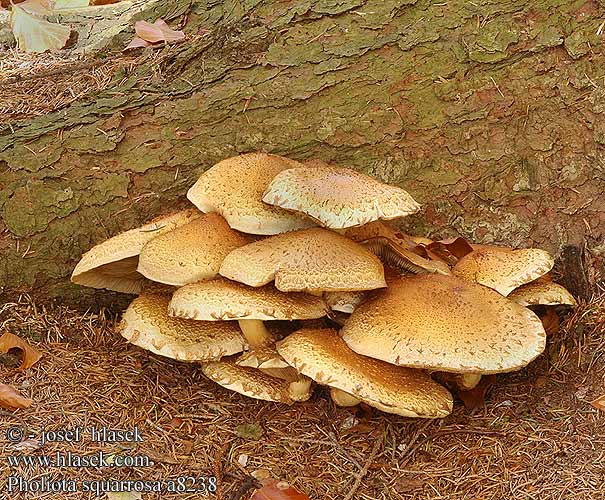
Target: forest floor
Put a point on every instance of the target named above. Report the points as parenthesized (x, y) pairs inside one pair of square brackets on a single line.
[(535, 437)]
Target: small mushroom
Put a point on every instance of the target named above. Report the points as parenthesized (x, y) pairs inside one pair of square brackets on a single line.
[(234, 188), (113, 263), (311, 260), (256, 384), (221, 299), (146, 324), (338, 197), (192, 252), (503, 269), (323, 356), (444, 323), (545, 293)]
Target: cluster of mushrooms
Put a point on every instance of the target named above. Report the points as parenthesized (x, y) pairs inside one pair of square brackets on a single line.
[(285, 275)]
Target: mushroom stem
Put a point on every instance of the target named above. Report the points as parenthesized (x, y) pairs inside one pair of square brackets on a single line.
[(255, 332), (342, 398), (300, 389), (469, 381)]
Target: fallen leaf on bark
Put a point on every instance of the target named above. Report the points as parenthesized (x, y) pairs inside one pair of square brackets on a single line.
[(70, 4), (29, 355), (599, 403), (278, 490), (11, 399), (148, 34), (34, 34)]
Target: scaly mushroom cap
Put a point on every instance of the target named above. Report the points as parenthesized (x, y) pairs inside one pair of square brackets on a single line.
[(338, 197), (234, 188), (113, 263), (146, 324), (222, 299), (192, 252), (545, 293), (311, 260), (322, 355), (254, 383), (503, 269), (447, 324)]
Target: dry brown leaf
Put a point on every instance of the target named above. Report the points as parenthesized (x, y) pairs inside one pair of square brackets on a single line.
[(450, 250), (475, 398), (11, 399), (157, 32), (599, 403), (29, 355), (34, 34), (550, 320), (278, 490)]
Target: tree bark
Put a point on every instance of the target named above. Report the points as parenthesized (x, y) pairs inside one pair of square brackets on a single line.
[(490, 113)]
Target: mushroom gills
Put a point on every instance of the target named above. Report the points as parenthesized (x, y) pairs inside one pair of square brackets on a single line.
[(403, 260)]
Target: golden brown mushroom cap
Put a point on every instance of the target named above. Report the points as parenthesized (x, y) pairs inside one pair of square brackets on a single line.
[(146, 324), (544, 293), (222, 299), (252, 382), (112, 264), (192, 252), (310, 260), (338, 197), (447, 324), (234, 188), (503, 269), (323, 356)]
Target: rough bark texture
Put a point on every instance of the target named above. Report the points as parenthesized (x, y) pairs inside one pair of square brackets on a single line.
[(491, 113)]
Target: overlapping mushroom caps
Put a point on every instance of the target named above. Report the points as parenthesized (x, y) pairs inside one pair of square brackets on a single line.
[(503, 269), (338, 197), (310, 260), (192, 252), (234, 188), (447, 324), (222, 299), (322, 355), (146, 324), (112, 264)]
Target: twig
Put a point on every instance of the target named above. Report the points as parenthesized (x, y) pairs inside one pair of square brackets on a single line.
[(366, 468), (217, 469), (248, 483)]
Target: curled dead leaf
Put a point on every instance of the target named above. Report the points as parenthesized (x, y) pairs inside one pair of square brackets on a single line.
[(550, 319), (32, 32), (11, 399), (157, 32), (278, 490), (475, 398), (599, 403), (29, 355)]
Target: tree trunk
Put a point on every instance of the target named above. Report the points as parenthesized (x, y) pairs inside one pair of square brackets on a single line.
[(490, 113)]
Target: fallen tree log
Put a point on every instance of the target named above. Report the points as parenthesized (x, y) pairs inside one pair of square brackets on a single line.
[(490, 113)]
